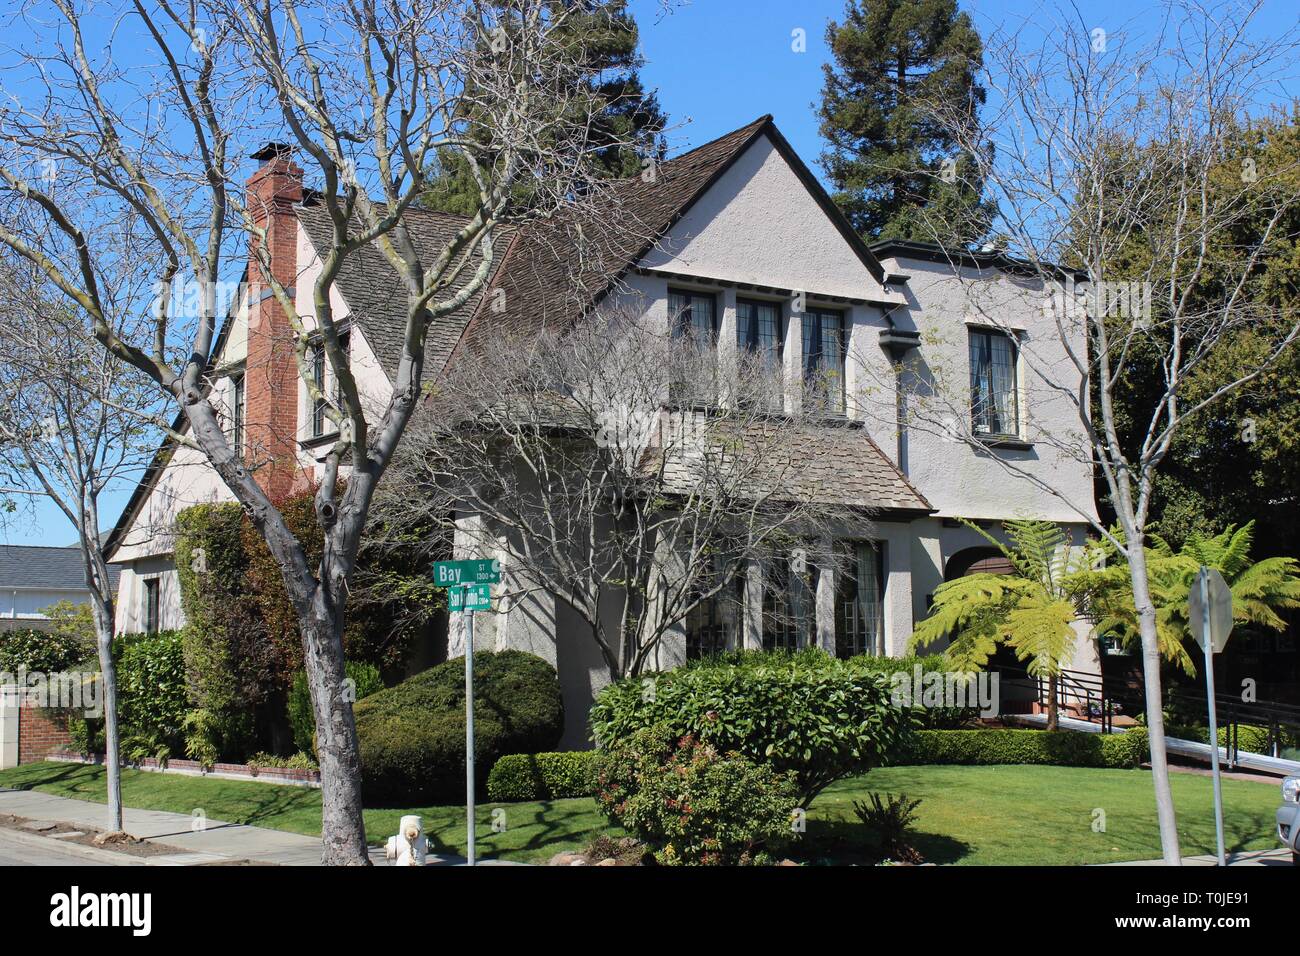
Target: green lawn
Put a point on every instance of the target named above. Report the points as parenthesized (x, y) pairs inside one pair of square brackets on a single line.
[(968, 815)]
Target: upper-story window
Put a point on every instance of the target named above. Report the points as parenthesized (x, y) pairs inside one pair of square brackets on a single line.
[(237, 413), (824, 345), (320, 423), (993, 383), (758, 330), (694, 314), (152, 604)]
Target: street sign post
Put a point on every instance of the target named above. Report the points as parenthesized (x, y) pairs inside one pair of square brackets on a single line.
[(471, 597), (1209, 613), (448, 574), (468, 585)]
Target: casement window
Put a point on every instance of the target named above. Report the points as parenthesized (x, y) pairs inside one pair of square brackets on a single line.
[(152, 589), (711, 622), (824, 345), (759, 331), (993, 391), (858, 618), (693, 314), (237, 413), (780, 618), (320, 423)]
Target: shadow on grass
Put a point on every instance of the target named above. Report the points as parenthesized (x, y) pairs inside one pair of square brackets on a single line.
[(847, 843)]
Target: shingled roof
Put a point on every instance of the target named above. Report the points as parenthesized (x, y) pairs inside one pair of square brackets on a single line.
[(374, 292), (831, 462), (41, 568)]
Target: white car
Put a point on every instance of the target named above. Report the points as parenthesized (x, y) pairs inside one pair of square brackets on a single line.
[(1288, 817)]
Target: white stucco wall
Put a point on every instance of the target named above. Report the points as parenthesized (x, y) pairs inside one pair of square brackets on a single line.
[(944, 303)]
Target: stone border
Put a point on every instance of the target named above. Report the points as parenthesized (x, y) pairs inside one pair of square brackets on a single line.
[(308, 779)]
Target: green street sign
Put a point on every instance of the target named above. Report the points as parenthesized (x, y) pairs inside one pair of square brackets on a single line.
[(452, 574), (476, 597)]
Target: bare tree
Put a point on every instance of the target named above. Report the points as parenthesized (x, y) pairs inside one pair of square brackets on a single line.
[(75, 422), (629, 472), (146, 108), (1137, 228)]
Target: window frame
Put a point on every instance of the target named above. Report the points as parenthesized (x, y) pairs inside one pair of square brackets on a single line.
[(152, 605), (685, 319), (990, 333), (238, 395), (813, 360), (322, 376)]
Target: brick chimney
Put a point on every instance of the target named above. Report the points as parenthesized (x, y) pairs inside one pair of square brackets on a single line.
[(271, 377)]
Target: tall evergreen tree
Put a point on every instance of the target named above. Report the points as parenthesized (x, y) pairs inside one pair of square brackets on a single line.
[(607, 37), (897, 172)]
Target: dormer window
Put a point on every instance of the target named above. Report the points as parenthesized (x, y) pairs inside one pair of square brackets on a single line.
[(993, 391)]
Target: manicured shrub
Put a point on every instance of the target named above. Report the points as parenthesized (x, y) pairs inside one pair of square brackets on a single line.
[(412, 736), (543, 776), (692, 804), (365, 681), (808, 714), (152, 700), (1065, 748), (44, 652)]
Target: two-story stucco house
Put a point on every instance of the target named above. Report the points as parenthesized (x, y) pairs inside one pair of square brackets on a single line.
[(743, 234)]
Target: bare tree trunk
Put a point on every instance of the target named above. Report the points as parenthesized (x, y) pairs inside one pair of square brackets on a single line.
[(112, 748), (343, 829), (1154, 703), (1053, 704)]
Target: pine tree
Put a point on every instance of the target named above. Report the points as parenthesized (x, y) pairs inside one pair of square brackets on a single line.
[(897, 173), (607, 36)]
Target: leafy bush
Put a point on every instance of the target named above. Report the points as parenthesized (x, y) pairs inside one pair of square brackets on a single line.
[(152, 699), (544, 776), (412, 736), (209, 735), (36, 651), (265, 761), (809, 714), (1064, 748), (366, 681), (890, 823), (691, 804)]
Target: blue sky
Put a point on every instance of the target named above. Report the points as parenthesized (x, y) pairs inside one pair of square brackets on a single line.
[(717, 65)]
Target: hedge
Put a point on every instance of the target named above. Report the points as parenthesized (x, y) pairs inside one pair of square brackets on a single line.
[(412, 736), (551, 776), (1062, 748), (545, 776), (151, 692)]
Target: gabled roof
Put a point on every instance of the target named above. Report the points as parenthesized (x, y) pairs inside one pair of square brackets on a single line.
[(558, 268), (42, 568), (376, 296)]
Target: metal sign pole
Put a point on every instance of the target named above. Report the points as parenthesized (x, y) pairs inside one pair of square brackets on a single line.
[(1204, 584), (469, 728)]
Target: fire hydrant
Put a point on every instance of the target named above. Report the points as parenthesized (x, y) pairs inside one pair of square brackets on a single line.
[(409, 847)]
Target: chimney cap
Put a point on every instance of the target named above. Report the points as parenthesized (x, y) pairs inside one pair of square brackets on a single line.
[(272, 151)]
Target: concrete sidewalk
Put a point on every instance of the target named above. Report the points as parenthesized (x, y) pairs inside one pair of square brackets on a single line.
[(1279, 857), (216, 842)]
